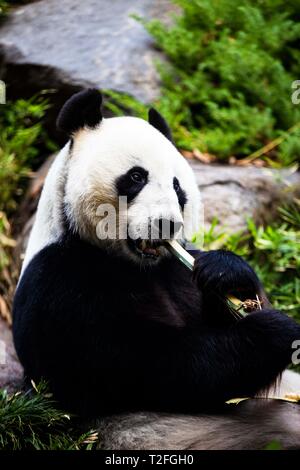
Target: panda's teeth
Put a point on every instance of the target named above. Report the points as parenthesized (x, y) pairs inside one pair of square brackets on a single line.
[(147, 248), (151, 251)]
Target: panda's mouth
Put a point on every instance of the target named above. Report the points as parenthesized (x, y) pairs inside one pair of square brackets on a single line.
[(147, 248)]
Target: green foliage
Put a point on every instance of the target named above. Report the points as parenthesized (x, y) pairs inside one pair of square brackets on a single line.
[(274, 445), (21, 140), (32, 421), (21, 134), (226, 89), (273, 252), (5, 241), (120, 103), (3, 8)]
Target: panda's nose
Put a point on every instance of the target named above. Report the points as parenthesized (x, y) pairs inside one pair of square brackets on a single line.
[(166, 228)]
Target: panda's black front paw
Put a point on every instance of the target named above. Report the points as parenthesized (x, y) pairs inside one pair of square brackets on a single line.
[(222, 273)]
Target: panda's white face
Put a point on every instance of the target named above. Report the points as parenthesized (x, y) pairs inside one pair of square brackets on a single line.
[(126, 156)]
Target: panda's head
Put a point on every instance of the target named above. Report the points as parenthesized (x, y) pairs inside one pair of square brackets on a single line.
[(127, 186)]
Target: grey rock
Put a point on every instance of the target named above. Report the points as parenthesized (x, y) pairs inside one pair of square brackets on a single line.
[(253, 424), (233, 194), (10, 368), (83, 43)]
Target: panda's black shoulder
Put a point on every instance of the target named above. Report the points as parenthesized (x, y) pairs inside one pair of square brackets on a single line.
[(59, 267), (62, 255), (74, 269)]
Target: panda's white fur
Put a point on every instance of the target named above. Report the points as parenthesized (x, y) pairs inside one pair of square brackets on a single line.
[(47, 227), (287, 387), (83, 177)]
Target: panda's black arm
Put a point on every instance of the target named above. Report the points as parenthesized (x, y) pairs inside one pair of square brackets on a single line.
[(188, 370), (219, 273)]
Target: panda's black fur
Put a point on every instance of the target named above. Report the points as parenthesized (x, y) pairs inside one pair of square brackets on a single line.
[(110, 337), (82, 109)]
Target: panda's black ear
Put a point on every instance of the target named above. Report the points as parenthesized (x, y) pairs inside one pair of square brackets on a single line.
[(82, 109), (157, 121)]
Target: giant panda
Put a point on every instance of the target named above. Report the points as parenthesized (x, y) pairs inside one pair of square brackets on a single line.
[(119, 328)]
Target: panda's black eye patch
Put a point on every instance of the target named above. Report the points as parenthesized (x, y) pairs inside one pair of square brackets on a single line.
[(176, 185), (181, 196), (137, 177), (132, 182)]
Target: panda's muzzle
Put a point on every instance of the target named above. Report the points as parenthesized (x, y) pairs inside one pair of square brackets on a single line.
[(148, 248), (161, 230), (166, 229)]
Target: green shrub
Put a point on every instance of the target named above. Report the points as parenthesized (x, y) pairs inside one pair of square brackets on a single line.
[(6, 243), (32, 421), (21, 139), (21, 133), (273, 252), (226, 89)]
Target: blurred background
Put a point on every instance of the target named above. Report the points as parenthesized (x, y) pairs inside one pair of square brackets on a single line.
[(224, 73)]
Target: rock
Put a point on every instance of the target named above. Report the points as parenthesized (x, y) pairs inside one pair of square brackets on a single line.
[(78, 44), (28, 205), (233, 194), (252, 424), (10, 368)]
